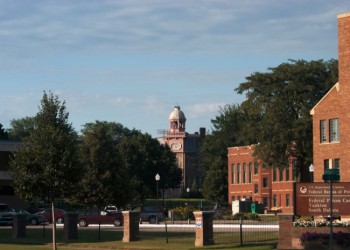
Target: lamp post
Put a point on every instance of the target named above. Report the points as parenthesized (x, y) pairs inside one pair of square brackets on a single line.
[(311, 170), (188, 200), (157, 181), (331, 175)]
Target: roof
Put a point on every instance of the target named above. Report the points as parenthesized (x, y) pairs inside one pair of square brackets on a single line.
[(177, 114), (312, 111)]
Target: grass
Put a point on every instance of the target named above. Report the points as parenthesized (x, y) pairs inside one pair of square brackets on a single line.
[(111, 239)]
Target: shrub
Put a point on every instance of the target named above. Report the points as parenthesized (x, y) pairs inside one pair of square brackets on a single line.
[(182, 213), (340, 238)]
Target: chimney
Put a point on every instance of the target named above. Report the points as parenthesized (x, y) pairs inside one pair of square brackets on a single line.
[(344, 49), (202, 132)]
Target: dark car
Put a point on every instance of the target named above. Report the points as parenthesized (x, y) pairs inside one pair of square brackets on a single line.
[(87, 217), (32, 219), (152, 214), (47, 214)]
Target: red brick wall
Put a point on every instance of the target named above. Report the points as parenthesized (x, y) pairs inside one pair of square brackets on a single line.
[(344, 48), (336, 104), (242, 155)]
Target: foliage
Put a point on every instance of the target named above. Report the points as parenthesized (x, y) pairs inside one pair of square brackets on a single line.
[(310, 223), (105, 177), (213, 153), (278, 108), (183, 213), (246, 216), (22, 128), (340, 238), (144, 157), (3, 133), (215, 184), (45, 165)]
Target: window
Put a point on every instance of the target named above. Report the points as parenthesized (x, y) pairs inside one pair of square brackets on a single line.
[(323, 137), (244, 172), (265, 201), (294, 169), (238, 173), (256, 167), (326, 164), (287, 200), (232, 173), (281, 174), (334, 135), (256, 188), (250, 177), (275, 200), (336, 163), (265, 182), (233, 198), (274, 175), (287, 173)]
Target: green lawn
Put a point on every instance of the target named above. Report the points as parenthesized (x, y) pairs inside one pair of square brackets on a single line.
[(109, 239)]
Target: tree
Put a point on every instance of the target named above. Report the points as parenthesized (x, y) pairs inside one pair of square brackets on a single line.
[(21, 128), (3, 133), (105, 180), (213, 153), (144, 158), (45, 165), (278, 108)]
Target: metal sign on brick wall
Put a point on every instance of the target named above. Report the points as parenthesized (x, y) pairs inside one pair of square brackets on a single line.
[(314, 198)]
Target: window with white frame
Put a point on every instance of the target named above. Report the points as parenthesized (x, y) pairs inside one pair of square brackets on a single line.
[(323, 124), (334, 135)]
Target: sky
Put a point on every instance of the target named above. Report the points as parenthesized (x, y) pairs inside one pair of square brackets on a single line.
[(131, 61)]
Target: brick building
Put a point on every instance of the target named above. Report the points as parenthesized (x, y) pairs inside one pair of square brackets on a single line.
[(331, 115), (248, 179), (7, 194), (331, 143), (184, 145)]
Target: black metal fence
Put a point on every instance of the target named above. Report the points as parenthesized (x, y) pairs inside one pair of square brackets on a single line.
[(245, 232), (235, 232)]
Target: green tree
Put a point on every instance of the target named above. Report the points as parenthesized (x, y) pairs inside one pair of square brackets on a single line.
[(215, 183), (278, 108), (105, 180), (21, 128), (213, 153), (144, 158), (3, 133), (45, 165)]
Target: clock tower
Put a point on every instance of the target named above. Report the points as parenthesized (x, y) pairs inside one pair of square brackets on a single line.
[(185, 146)]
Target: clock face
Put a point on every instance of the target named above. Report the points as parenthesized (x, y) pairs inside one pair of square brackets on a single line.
[(176, 146)]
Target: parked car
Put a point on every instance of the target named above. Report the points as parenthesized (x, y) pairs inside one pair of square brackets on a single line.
[(152, 214), (32, 219), (112, 209), (47, 214), (93, 216), (6, 215)]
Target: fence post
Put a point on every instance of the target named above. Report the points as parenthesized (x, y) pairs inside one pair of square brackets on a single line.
[(204, 228), (241, 231), (131, 226), (19, 226), (70, 230), (285, 238)]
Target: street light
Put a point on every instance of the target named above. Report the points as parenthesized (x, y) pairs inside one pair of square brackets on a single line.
[(311, 170), (188, 200), (157, 180)]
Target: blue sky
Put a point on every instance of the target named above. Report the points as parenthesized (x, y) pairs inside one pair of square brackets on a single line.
[(132, 61)]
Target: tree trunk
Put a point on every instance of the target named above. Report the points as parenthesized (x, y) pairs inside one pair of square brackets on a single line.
[(54, 245)]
